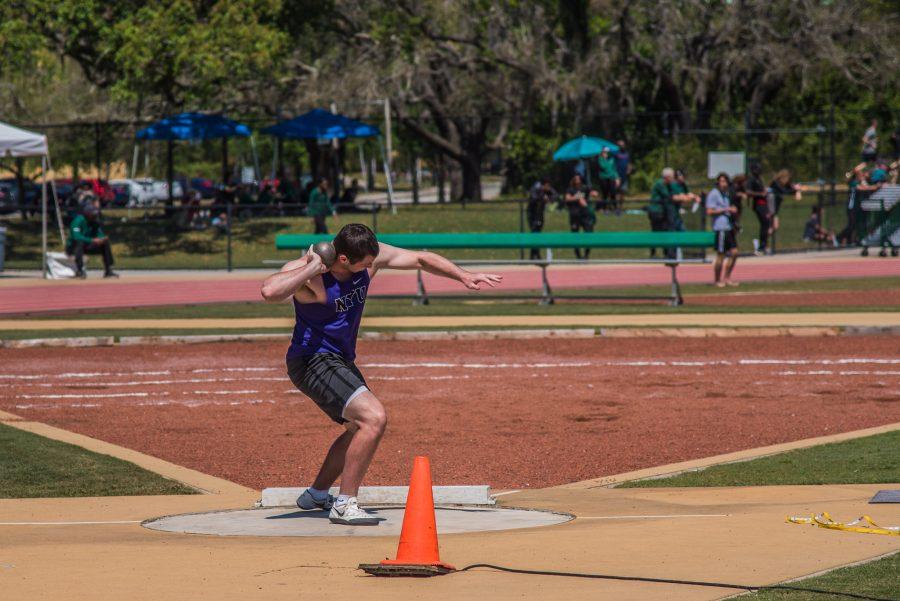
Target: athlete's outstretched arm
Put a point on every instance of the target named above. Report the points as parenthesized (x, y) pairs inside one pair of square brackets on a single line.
[(284, 284), (391, 257)]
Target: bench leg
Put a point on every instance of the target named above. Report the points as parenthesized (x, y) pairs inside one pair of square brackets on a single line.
[(547, 293), (677, 299), (421, 295)]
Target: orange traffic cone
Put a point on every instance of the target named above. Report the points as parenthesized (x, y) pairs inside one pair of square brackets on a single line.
[(417, 554)]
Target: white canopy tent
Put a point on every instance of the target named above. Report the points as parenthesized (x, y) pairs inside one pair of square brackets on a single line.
[(15, 142)]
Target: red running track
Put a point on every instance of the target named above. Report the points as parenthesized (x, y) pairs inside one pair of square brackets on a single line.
[(39, 296)]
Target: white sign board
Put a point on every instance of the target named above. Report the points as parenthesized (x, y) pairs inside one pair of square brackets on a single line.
[(248, 175), (731, 163)]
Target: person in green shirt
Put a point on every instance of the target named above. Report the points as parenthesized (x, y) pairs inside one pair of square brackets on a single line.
[(320, 206), (660, 199), (609, 180), (86, 236), (680, 196)]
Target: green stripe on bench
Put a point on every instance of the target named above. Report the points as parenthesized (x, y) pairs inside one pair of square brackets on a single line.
[(522, 240)]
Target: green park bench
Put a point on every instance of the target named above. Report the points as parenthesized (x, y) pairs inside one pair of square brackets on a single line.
[(548, 240)]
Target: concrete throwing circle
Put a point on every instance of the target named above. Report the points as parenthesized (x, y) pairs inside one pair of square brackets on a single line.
[(284, 521)]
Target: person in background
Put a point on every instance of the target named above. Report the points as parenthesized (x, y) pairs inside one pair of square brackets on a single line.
[(320, 206), (86, 236), (719, 207), (581, 214), (681, 197), (895, 142), (540, 195), (623, 168), (269, 203), (813, 230), (609, 180), (350, 193), (759, 201), (738, 196), (660, 200), (874, 180), (870, 142), (847, 236), (780, 187)]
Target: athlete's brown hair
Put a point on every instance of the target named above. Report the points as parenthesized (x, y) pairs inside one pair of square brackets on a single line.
[(356, 241)]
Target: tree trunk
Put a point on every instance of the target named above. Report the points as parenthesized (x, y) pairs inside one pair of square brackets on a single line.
[(471, 179)]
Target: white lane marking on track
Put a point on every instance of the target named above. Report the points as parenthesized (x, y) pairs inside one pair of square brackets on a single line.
[(407, 378), (157, 382), (111, 395), (652, 517), (847, 372), (629, 363), (68, 523), (220, 392), (152, 403), (214, 369)]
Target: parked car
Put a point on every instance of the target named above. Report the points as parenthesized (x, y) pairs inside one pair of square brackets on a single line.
[(10, 201), (159, 189), (132, 193)]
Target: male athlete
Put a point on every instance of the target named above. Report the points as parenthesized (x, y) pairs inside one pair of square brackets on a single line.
[(328, 304)]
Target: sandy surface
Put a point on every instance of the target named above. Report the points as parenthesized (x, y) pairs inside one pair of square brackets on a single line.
[(512, 414)]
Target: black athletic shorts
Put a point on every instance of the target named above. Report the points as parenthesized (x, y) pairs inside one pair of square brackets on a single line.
[(725, 241), (329, 380)]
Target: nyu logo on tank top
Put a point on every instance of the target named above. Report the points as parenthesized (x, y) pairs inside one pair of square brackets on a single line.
[(331, 327)]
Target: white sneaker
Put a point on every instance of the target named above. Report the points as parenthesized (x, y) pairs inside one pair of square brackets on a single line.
[(352, 515), (307, 501)]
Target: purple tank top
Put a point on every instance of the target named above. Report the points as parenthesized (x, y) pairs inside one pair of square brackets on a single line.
[(331, 327)]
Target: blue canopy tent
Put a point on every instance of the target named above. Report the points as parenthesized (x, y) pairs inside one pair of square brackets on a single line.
[(194, 126), (584, 147), (319, 124)]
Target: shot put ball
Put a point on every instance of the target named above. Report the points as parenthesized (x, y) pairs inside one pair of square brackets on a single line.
[(326, 251)]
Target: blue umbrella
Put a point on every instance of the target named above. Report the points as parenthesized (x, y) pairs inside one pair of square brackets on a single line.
[(582, 148)]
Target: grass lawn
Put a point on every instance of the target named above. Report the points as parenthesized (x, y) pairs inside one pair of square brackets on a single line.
[(152, 243), (872, 459), (34, 466), (877, 579)]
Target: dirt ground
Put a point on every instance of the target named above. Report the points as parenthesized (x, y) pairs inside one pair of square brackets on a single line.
[(512, 414), (889, 297)]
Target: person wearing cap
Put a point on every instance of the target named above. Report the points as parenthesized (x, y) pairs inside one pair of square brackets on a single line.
[(86, 236), (609, 180)]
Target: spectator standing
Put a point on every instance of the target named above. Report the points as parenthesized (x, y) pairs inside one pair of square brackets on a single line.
[(609, 180), (870, 142), (540, 195), (719, 207), (86, 236), (623, 168), (847, 236), (759, 201), (581, 214), (320, 206), (874, 180), (680, 196), (780, 187), (660, 201), (738, 196)]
